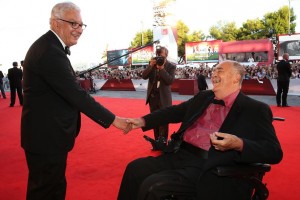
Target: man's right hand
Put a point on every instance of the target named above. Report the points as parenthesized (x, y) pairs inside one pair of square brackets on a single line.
[(136, 122), (152, 62)]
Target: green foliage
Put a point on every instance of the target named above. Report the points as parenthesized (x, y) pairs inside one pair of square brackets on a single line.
[(142, 38), (271, 24)]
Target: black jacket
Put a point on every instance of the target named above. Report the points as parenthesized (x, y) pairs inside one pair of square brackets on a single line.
[(53, 100), (248, 119), (15, 76)]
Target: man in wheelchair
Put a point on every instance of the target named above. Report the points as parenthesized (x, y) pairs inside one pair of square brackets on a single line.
[(221, 126)]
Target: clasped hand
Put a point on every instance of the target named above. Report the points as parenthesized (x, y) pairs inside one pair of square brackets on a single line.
[(127, 124)]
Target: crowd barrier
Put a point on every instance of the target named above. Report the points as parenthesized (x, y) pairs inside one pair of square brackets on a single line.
[(189, 86)]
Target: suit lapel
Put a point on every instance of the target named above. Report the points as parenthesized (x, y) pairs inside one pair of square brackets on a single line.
[(233, 114), (198, 110)]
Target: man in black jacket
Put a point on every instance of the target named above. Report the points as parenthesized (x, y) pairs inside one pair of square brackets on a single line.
[(283, 80), (221, 126), (201, 80), (15, 76), (1, 85), (53, 101)]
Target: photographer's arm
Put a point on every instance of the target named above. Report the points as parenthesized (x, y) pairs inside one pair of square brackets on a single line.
[(167, 74), (146, 73)]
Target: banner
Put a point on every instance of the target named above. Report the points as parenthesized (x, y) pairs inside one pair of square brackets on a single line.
[(143, 56), (203, 51), (114, 54), (289, 44)]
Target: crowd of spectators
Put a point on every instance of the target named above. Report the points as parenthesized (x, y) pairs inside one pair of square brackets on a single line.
[(186, 72)]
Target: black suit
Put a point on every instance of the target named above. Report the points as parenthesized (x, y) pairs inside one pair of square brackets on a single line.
[(53, 100), (184, 172), (15, 76), (1, 85), (159, 96), (201, 80), (283, 82)]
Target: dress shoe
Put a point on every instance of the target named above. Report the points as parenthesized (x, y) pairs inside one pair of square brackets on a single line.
[(278, 105), (285, 106), (11, 105)]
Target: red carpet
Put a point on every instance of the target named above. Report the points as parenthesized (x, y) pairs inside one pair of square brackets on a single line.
[(96, 164), (253, 87)]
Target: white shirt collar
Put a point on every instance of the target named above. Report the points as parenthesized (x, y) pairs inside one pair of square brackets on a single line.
[(63, 44)]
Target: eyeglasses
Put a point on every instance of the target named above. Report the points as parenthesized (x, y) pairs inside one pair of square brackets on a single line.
[(75, 25)]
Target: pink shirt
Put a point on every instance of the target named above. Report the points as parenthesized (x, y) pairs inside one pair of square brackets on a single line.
[(210, 121)]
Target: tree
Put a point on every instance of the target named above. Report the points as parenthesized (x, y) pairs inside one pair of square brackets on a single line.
[(142, 38), (252, 30), (225, 31), (278, 22)]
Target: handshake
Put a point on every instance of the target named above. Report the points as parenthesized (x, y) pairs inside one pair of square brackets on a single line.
[(127, 124)]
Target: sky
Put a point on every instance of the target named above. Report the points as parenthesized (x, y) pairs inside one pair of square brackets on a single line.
[(114, 23)]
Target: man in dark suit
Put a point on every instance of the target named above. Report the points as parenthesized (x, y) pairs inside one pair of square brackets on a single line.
[(221, 126), (15, 76), (161, 74), (201, 80), (2, 86), (53, 101), (283, 80)]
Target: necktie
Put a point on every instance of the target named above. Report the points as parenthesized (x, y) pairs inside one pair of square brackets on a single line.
[(220, 102), (67, 50)]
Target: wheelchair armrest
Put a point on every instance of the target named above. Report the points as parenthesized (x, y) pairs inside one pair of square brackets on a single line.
[(252, 173), (242, 170)]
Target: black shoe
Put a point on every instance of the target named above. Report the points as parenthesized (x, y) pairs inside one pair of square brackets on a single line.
[(11, 105), (285, 106), (278, 105)]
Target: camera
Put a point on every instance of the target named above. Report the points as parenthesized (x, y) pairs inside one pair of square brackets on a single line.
[(159, 60)]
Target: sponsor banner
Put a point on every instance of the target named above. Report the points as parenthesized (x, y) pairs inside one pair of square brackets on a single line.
[(289, 44), (121, 61), (143, 56), (203, 51)]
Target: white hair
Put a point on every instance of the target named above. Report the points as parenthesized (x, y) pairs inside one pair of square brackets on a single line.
[(59, 9)]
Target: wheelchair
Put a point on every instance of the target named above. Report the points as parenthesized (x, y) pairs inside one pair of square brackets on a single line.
[(250, 173)]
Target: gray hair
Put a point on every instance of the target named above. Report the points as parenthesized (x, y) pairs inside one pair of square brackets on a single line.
[(240, 70), (59, 9)]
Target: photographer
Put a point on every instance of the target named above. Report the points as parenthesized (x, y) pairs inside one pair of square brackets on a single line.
[(161, 74)]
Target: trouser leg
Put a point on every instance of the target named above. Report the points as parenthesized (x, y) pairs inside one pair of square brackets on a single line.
[(20, 95), (12, 95), (285, 90), (279, 92), (177, 184), (46, 178), (2, 90), (152, 178), (160, 131)]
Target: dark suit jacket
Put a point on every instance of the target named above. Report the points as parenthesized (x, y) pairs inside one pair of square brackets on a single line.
[(53, 100), (248, 119), (1, 77), (284, 70), (201, 80), (15, 76), (166, 77)]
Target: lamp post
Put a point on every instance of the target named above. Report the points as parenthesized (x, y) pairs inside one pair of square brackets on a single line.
[(289, 31), (142, 32)]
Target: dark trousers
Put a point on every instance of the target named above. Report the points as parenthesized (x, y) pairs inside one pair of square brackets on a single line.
[(155, 104), (156, 178), (13, 90), (282, 91), (2, 89), (46, 179)]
